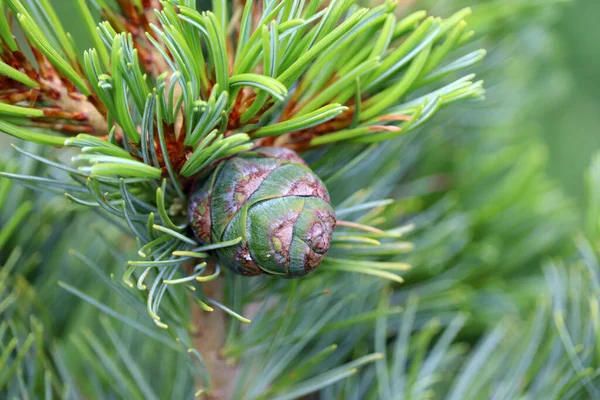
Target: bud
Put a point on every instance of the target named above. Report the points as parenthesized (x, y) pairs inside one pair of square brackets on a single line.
[(275, 203)]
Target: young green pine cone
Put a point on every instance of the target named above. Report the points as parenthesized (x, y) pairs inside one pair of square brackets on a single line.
[(275, 203)]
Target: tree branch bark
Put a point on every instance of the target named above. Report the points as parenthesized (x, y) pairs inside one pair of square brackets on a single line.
[(209, 341)]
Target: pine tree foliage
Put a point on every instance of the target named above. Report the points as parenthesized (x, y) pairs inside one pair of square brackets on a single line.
[(165, 94), (277, 73), (472, 320), (552, 355), (95, 357), (51, 348)]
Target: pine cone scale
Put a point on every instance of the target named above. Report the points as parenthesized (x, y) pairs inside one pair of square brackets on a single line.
[(199, 209), (291, 180), (272, 237), (237, 182), (311, 242)]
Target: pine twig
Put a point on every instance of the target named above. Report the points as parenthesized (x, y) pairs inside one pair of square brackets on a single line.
[(210, 339)]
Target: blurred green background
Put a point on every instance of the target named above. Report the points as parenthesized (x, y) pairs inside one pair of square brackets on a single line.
[(571, 126)]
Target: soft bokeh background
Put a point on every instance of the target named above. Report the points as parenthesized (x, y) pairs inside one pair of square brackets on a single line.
[(572, 126)]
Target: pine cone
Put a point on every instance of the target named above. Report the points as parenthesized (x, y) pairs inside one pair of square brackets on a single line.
[(275, 203)]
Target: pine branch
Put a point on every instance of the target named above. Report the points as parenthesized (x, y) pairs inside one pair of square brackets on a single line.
[(209, 341), (169, 92), (160, 135)]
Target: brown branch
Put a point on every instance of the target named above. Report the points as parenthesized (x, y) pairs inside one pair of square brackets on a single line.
[(56, 96), (16, 96), (73, 129), (75, 104), (209, 341)]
